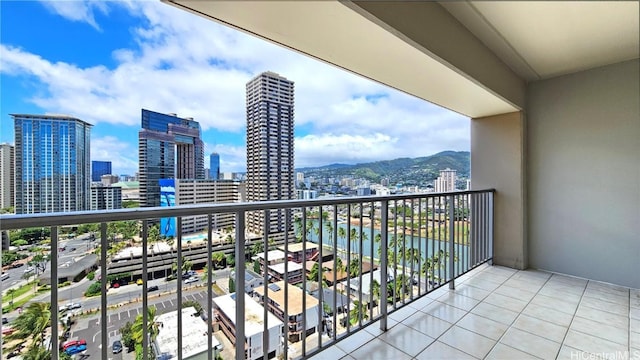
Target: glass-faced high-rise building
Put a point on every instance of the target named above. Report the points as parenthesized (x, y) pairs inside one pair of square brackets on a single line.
[(270, 171), (169, 147), (52, 164), (99, 168), (214, 166)]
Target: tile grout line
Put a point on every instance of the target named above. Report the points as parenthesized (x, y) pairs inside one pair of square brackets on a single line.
[(520, 314)]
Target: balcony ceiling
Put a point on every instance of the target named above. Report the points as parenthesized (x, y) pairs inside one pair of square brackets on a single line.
[(545, 39), (473, 58)]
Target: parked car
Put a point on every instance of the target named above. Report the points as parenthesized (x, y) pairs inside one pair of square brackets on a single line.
[(72, 306), (76, 347), (191, 280), (17, 265), (152, 288), (72, 249), (5, 320), (139, 282), (29, 269), (116, 347)]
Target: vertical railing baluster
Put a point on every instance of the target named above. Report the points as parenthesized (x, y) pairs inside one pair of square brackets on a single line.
[(239, 280), (145, 300), (491, 225), (286, 288), (335, 272), (420, 247), (304, 289), (361, 261), (452, 253), (266, 219), (396, 239), (384, 278), (320, 282), (209, 281), (103, 285), (179, 291), (347, 266), (54, 293), (432, 240), (372, 224)]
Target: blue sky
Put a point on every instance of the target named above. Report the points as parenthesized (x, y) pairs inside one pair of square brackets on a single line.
[(104, 61)]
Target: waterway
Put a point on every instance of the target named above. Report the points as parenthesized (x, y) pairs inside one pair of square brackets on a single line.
[(426, 246)]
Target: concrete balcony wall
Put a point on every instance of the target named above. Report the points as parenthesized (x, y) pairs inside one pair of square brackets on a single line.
[(497, 161), (583, 143)]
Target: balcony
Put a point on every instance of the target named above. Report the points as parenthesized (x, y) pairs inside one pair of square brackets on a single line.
[(431, 241)]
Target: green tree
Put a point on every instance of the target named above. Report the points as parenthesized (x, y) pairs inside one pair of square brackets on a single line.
[(376, 292), (219, 259), (32, 323), (342, 234), (127, 336), (138, 331), (94, 289), (314, 274), (358, 313), (354, 268), (37, 353)]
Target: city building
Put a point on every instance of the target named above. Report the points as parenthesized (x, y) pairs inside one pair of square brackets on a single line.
[(169, 147), (296, 252), (307, 194), (446, 181), (299, 179), (273, 257), (7, 176), (297, 314), (108, 180), (190, 191), (214, 166), (363, 191), (52, 163), (270, 168), (225, 317), (293, 272), (99, 168), (105, 197), (194, 344), (130, 190)]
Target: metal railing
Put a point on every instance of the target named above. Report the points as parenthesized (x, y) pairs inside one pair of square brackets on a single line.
[(362, 258)]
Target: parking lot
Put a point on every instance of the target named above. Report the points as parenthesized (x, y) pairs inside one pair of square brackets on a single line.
[(89, 327)]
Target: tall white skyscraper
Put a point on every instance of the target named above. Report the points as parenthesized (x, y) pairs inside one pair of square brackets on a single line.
[(6, 176), (270, 170), (52, 164), (446, 181)]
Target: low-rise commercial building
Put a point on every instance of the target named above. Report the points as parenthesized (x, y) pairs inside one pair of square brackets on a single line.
[(194, 336), (225, 317), (300, 252), (299, 319)]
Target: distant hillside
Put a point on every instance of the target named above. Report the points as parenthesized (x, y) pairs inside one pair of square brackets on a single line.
[(404, 170)]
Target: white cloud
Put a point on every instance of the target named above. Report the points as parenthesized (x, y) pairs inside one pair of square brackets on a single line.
[(194, 67), (123, 156), (73, 10)]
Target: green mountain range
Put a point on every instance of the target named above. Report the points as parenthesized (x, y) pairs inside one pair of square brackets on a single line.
[(416, 171)]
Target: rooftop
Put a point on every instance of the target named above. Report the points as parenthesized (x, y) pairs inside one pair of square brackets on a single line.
[(291, 266), (271, 255), (254, 313), (295, 297), (297, 247), (194, 334)]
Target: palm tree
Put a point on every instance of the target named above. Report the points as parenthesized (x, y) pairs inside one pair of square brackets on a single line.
[(329, 228), (354, 237), (37, 353), (375, 292), (358, 313), (11, 292), (342, 233), (152, 330), (413, 258), (32, 323)]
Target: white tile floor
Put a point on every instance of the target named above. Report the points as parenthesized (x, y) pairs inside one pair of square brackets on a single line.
[(501, 313)]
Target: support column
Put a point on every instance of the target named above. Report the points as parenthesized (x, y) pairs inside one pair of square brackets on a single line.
[(498, 161)]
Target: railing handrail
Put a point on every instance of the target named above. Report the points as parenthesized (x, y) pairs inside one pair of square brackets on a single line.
[(20, 221)]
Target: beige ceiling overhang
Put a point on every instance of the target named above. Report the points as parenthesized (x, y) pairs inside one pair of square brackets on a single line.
[(473, 58)]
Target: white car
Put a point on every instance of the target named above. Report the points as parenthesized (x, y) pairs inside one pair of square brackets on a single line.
[(191, 280), (71, 306), (29, 269)]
